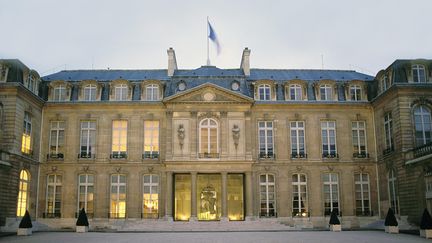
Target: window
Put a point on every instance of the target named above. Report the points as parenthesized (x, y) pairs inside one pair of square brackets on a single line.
[(331, 193), (295, 92), (26, 136), (119, 139), (359, 139), (326, 92), (328, 137), (264, 92), (152, 92), (208, 130), (423, 126), (57, 134), (59, 93), (388, 128), (121, 92), (418, 73), (355, 92), (385, 83), (297, 139), (299, 195), (23, 193), (151, 140), (53, 196), (393, 192), (265, 137), (88, 139), (150, 196), (267, 195), (90, 92), (118, 196), (362, 194), (86, 193)]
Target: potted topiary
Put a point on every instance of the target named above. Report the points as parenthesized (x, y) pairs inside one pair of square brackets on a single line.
[(82, 224), (391, 224), (334, 222), (25, 226), (426, 225)]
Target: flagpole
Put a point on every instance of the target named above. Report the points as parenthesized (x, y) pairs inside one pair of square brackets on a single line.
[(208, 56)]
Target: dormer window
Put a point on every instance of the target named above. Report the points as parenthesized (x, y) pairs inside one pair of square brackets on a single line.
[(295, 92), (90, 92), (59, 93), (326, 92), (264, 92), (152, 92), (385, 83), (355, 92), (121, 92), (418, 72)]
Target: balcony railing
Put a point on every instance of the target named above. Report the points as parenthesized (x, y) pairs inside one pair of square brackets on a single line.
[(268, 155), (55, 156), (301, 214), (150, 155), (331, 155), (388, 150), (300, 155), (208, 155), (85, 155), (118, 155), (361, 155), (423, 150), (51, 215)]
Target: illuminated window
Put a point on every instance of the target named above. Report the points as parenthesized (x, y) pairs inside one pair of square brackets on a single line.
[(118, 196), (27, 133), (90, 92), (57, 134), (423, 125), (209, 147), (23, 193), (326, 92), (299, 195), (297, 139), (88, 139), (355, 92), (59, 93), (331, 193), (265, 138), (53, 196), (295, 92), (419, 73), (267, 196), (209, 196), (151, 139), (388, 129), (86, 193), (150, 196), (264, 92), (393, 191), (152, 92), (119, 139), (121, 92), (328, 139), (359, 139), (362, 194)]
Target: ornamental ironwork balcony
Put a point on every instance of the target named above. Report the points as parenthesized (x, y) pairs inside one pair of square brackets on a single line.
[(51, 215), (85, 155), (300, 155), (268, 155), (301, 214), (55, 156), (150, 155), (118, 155), (388, 150), (331, 155), (361, 155), (208, 155), (423, 150)]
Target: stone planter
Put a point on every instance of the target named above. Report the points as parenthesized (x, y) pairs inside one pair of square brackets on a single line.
[(392, 229), (426, 233), (335, 227), (82, 229), (24, 231)]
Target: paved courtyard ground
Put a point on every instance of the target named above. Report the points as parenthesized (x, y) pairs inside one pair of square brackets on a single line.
[(223, 237)]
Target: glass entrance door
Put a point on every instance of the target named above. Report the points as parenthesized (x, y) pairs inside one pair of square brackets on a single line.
[(209, 196)]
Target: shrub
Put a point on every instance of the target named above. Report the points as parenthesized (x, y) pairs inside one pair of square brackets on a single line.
[(390, 219), (334, 218), (426, 220), (82, 218), (26, 221)]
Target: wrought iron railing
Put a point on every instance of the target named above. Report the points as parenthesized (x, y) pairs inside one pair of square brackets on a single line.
[(298, 155), (423, 150), (361, 155), (150, 155), (388, 150), (268, 155), (331, 155), (208, 155), (55, 156), (85, 155), (118, 155)]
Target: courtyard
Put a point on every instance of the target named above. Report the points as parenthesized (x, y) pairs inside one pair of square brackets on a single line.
[(191, 237)]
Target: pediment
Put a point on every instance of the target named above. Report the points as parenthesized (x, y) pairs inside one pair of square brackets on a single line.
[(208, 93)]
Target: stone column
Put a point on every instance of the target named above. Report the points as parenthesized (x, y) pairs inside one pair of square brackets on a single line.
[(169, 196), (193, 196), (224, 197), (249, 196)]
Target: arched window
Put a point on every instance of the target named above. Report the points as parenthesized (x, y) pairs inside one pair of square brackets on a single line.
[(393, 192), (423, 126), (355, 92), (23, 193), (295, 92), (152, 92), (208, 130), (264, 92), (121, 92), (299, 195), (418, 73), (59, 93), (326, 92), (90, 92)]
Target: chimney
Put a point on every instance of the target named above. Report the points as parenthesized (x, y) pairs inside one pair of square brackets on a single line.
[(245, 65), (172, 62)]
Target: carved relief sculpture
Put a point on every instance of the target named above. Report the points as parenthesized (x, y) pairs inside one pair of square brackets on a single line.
[(181, 135), (236, 135)]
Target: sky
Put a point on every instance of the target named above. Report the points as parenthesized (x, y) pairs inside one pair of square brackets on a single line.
[(365, 35)]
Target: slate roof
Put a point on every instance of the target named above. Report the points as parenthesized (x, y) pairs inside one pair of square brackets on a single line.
[(107, 75)]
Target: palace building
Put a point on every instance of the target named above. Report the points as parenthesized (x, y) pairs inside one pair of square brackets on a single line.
[(210, 144)]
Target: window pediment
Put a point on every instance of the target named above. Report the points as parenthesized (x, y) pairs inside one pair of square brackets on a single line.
[(90, 90), (295, 89), (124, 90), (151, 90), (355, 90), (59, 90), (265, 90), (326, 90)]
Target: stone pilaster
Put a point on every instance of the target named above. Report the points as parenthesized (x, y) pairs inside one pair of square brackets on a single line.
[(169, 196), (224, 196), (193, 196)]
